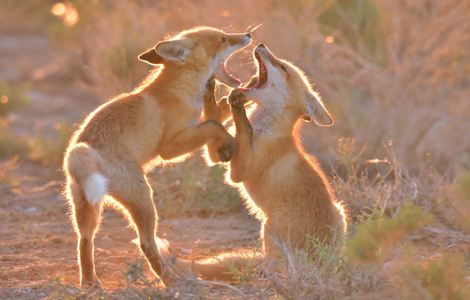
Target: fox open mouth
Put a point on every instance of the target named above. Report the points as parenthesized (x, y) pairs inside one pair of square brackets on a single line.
[(223, 74), (262, 76)]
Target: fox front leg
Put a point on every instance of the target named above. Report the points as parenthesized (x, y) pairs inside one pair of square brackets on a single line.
[(216, 151), (211, 111), (243, 156), (216, 110), (192, 138)]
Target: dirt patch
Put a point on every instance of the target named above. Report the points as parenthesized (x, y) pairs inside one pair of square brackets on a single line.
[(38, 243)]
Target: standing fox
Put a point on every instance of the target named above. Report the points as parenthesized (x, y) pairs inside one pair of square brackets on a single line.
[(159, 119), (283, 186)]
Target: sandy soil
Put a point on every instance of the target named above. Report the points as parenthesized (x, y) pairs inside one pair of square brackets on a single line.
[(37, 243)]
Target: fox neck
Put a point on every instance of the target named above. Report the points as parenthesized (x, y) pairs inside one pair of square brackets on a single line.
[(276, 121), (187, 82)]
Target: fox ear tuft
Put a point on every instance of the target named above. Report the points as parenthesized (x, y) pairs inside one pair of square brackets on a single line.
[(174, 50), (151, 57)]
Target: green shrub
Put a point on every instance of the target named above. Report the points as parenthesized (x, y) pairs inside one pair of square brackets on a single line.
[(441, 277), (379, 231)]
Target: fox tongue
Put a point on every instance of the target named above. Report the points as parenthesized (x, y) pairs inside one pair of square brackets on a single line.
[(223, 76)]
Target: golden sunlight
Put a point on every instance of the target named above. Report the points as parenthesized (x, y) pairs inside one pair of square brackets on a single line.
[(58, 9), (67, 12)]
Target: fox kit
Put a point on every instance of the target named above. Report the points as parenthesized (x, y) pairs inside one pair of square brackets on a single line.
[(159, 119), (283, 186)]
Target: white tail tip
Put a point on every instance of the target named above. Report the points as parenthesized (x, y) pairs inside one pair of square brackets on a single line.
[(95, 188)]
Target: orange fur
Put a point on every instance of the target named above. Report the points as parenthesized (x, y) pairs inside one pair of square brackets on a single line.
[(282, 184), (160, 118)]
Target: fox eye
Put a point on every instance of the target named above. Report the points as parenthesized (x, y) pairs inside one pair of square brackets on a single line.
[(223, 39)]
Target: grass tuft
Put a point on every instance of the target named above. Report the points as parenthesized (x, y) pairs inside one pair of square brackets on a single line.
[(441, 277)]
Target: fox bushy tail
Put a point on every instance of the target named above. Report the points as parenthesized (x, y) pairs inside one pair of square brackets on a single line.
[(81, 164), (224, 267)]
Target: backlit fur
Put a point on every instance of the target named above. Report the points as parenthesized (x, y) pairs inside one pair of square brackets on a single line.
[(282, 184), (159, 119)]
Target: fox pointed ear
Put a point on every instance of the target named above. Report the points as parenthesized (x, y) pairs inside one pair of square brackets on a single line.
[(174, 50), (151, 57), (317, 112)]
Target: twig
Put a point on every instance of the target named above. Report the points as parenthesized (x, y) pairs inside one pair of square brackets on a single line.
[(218, 283)]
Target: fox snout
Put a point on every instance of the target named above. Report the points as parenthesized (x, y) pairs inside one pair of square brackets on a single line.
[(239, 38), (264, 51)]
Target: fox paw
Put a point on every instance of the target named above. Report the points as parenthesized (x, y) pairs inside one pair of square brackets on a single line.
[(236, 98), (225, 152)]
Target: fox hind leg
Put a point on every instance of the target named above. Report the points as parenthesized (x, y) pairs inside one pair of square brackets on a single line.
[(136, 197), (87, 219)]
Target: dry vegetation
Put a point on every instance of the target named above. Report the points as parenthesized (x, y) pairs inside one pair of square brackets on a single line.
[(395, 75)]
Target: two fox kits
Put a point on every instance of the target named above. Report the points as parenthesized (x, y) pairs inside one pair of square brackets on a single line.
[(283, 185), (159, 119)]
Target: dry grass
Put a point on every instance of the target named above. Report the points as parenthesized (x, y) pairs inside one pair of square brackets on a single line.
[(381, 257), (395, 75)]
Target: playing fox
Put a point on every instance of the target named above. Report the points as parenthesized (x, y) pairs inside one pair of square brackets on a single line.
[(283, 186), (160, 118)]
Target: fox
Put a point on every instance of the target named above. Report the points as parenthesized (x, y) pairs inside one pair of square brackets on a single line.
[(159, 119), (283, 186)]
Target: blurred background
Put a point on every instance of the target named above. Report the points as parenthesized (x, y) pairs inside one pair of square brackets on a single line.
[(388, 70), (394, 75)]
